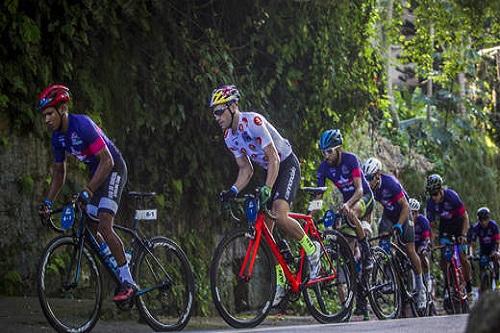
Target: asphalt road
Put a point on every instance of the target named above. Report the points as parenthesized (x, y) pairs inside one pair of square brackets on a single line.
[(24, 315)]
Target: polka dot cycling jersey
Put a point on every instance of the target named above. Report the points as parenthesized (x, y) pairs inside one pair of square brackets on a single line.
[(84, 140), (252, 135)]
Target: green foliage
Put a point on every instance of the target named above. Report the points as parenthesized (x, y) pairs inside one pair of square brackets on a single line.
[(26, 184), (11, 283)]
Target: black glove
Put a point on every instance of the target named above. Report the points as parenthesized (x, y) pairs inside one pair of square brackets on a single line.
[(228, 195)]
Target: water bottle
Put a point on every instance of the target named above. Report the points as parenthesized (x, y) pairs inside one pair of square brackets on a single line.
[(329, 219), (285, 250), (108, 257)]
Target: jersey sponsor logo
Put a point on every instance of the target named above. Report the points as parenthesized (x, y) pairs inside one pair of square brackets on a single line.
[(245, 120), (257, 120), (252, 147), (345, 171), (75, 139), (258, 140), (240, 127), (246, 137), (62, 141), (243, 150)]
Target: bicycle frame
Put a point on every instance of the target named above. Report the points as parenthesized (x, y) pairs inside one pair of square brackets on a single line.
[(294, 280), (84, 233), (456, 265)]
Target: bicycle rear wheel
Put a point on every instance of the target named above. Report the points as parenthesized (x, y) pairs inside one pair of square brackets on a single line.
[(383, 287), (167, 282), (70, 298), (242, 303), (332, 301)]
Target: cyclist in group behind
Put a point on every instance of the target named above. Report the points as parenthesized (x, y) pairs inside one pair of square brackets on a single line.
[(423, 239), (446, 206), (79, 136), (388, 191), (485, 232), (249, 136)]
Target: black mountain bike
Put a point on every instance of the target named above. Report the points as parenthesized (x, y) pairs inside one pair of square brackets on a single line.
[(70, 286)]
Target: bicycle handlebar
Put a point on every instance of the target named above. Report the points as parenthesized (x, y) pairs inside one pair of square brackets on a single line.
[(49, 220)]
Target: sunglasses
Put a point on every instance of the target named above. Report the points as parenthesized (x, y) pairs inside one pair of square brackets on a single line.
[(369, 178), (435, 194), (328, 151), (219, 112)]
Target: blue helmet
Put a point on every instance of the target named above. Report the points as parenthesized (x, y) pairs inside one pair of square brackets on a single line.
[(330, 138)]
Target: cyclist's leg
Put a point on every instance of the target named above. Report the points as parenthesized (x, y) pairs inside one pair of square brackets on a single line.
[(362, 210)]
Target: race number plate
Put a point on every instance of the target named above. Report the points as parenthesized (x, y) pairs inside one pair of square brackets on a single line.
[(146, 214), (315, 205)]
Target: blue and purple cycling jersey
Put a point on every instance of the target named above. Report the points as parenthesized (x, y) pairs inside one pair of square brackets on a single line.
[(450, 210), (84, 140), (343, 175), (422, 230), (486, 236), (388, 194)]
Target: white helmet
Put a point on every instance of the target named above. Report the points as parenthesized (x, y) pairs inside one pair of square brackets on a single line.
[(371, 166), (414, 204)]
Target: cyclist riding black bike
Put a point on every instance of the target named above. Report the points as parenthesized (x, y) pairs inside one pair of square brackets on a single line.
[(423, 239), (79, 136), (486, 232), (249, 136), (396, 216)]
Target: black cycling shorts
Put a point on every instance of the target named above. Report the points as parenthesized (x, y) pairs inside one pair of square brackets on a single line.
[(288, 180), (408, 229), (107, 197)]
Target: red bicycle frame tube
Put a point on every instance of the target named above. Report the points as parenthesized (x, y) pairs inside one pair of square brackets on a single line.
[(294, 280)]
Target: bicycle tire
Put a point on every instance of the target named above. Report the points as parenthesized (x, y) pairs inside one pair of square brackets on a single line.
[(319, 307), (486, 280), (458, 305), (55, 298), (242, 304), (383, 281), (176, 299)]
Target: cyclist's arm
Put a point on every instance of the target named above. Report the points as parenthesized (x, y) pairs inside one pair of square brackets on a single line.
[(58, 179), (465, 224), (358, 192), (273, 164), (103, 170), (245, 172), (405, 210)]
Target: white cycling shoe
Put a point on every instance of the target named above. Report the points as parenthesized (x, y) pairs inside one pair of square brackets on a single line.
[(314, 261), (278, 297), (421, 299)]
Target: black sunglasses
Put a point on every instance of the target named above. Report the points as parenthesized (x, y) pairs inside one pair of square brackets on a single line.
[(219, 112), (369, 178)]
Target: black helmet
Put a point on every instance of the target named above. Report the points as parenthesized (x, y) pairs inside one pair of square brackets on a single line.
[(483, 213), (434, 183)]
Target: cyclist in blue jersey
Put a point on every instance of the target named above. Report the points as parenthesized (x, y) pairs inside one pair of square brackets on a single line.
[(423, 238), (79, 136), (250, 137), (388, 191), (343, 169), (485, 231), (445, 206)]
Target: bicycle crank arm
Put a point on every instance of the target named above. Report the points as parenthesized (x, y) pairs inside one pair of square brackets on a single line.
[(164, 285)]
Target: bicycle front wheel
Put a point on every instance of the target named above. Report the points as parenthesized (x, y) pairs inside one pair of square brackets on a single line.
[(69, 286), (242, 302), (383, 287), (331, 301), (166, 279)]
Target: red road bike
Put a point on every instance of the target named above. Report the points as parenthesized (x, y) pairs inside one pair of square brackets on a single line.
[(243, 276)]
